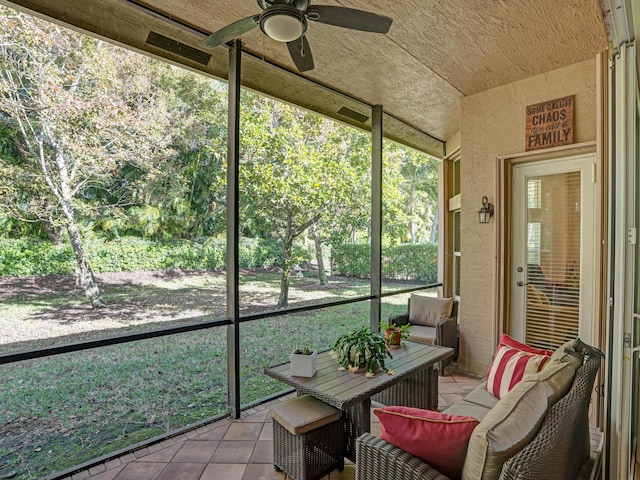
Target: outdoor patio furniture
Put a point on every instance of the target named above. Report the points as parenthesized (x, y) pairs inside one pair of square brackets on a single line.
[(352, 392), (428, 325), (555, 451), (308, 438)]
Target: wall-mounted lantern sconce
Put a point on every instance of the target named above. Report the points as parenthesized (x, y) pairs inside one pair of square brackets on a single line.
[(486, 212)]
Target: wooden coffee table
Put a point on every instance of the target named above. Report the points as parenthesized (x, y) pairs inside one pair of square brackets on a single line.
[(413, 384)]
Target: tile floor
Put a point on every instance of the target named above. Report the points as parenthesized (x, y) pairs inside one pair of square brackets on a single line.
[(233, 449), (240, 449)]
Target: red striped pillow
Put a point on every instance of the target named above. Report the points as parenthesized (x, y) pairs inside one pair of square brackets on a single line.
[(509, 366), (512, 342)]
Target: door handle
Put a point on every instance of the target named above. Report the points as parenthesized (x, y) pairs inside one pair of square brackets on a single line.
[(636, 316), (521, 284)]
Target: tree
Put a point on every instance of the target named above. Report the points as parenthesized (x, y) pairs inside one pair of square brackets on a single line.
[(410, 193), (79, 112), (295, 172)]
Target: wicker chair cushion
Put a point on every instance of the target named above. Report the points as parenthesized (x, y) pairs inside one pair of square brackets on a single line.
[(303, 414), (428, 311), (561, 355), (481, 396), (434, 437), (422, 334), (557, 378), (505, 430), (463, 407)]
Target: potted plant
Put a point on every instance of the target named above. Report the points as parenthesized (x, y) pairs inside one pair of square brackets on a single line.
[(394, 333), (304, 362), (361, 349)]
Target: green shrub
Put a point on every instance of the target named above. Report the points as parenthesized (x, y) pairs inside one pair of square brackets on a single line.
[(418, 261), (29, 256), (351, 260)]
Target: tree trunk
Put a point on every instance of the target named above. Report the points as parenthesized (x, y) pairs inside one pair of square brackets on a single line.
[(63, 192), (85, 275), (53, 232), (322, 274), (434, 228), (291, 234), (283, 300), (412, 224)]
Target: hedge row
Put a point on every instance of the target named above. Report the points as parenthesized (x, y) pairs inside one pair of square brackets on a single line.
[(26, 257), (418, 261)]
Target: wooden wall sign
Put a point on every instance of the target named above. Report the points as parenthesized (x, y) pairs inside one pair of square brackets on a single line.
[(550, 124)]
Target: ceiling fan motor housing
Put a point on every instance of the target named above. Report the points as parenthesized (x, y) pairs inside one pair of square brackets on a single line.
[(283, 23), (301, 5)]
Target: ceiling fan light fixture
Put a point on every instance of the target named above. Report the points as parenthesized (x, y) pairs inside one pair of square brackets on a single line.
[(283, 26)]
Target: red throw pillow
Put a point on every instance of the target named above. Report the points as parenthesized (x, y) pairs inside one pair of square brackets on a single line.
[(436, 438), (509, 366), (512, 342)]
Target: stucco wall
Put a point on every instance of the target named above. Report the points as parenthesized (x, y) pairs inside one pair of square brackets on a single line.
[(493, 125)]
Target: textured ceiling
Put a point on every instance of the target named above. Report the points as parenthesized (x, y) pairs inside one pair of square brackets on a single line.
[(436, 51)]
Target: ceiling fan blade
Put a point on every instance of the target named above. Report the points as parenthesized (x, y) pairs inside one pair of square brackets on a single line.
[(301, 54), (349, 18), (230, 32)]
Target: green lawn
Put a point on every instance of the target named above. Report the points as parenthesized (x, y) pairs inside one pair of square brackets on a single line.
[(59, 411)]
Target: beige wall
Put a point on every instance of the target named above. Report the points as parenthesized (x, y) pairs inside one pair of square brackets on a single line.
[(452, 143), (493, 125)]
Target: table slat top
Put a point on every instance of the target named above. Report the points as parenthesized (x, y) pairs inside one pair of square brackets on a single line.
[(343, 389)]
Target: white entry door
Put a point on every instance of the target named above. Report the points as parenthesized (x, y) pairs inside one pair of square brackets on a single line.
[(553, 251)]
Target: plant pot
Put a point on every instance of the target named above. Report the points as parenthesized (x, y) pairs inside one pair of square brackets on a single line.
[(303, 365), (394, 335)]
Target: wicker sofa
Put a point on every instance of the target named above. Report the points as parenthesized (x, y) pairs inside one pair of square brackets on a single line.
[(555, 450)]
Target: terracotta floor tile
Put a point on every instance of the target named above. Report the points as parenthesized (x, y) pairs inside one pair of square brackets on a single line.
[(267, 431), (97, 469), (236, 449), (214, 433), (196, 451), (263, 452), (164, 455), (222, 471), (258, 471), (182, 471), (233, 451), (244, 431), (140, 471), (110, 474), (168, 442), (113, 463), (143, 452), (259, 416)]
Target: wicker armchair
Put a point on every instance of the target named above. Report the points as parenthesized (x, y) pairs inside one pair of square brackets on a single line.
[(562, 444), (557, 452), (445, 333)]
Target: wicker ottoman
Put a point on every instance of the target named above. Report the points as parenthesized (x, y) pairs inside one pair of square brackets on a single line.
[(308, 438)]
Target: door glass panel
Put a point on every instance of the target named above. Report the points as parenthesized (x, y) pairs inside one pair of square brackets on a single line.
[(553, 259)]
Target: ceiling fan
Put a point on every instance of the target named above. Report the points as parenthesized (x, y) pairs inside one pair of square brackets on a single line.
[(286, 21)]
